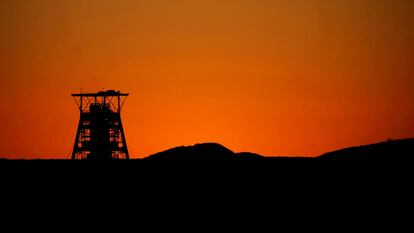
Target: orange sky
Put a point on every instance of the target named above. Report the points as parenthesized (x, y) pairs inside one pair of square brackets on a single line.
[(276, 77)]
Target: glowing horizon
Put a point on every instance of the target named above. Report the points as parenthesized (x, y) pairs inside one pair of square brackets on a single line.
[(273, 77)]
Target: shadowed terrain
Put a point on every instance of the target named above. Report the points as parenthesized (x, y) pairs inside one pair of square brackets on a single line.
[(193, 195)]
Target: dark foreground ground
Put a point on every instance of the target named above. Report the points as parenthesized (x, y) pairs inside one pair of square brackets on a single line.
[(259, 195)]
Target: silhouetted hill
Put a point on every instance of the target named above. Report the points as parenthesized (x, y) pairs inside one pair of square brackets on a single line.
[(395, 150), (205, 151), (248, 156), (392, 150)]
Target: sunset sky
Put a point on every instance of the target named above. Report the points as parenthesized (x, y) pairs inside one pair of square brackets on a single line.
[(275, 77)]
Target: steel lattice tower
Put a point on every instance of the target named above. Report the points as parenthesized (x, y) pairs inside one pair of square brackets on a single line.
[(100, 134)]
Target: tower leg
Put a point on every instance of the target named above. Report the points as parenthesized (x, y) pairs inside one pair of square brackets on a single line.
[(76, 145), (124, 142)]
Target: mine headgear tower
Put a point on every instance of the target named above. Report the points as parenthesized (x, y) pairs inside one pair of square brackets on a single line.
[(100, 135)]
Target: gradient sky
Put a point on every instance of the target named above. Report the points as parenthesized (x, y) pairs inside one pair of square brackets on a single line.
[(276, 77)]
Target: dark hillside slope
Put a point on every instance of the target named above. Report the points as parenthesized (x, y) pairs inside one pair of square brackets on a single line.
[(392, 150), (203, 152)]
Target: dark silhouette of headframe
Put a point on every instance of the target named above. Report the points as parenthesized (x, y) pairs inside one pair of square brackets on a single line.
[(100, 134)]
